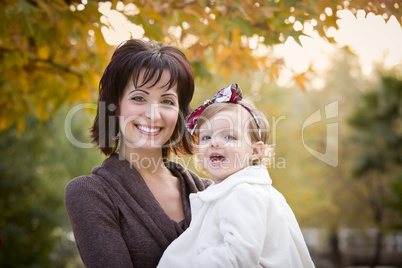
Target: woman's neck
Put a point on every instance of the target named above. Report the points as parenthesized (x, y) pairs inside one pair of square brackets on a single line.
[(145, 161)]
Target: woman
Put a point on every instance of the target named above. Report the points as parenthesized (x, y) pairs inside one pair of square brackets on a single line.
[(137, 202)]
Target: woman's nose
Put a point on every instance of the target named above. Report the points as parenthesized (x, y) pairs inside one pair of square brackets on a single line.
[(153, 112)]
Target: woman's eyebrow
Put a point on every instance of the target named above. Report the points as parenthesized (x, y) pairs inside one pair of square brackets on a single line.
[(169, 94), (137, 89)]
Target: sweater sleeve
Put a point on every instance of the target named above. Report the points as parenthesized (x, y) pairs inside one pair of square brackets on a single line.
[(95, 223), (242, 224), (206, 182)]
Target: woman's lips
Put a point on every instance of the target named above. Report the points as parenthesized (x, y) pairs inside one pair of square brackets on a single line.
[(147, 130)]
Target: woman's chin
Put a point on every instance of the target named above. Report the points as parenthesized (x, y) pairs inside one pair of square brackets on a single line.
[(143, 145)]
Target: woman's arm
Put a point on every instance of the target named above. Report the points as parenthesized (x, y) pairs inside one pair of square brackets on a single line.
[(95, 223)]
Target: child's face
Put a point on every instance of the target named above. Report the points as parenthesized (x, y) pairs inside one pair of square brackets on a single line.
[(225, 146)]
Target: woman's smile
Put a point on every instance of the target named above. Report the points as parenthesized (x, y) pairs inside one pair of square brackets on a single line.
[(148, 130)]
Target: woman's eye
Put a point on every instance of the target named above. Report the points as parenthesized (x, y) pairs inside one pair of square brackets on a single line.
[(138, 98), (230, 137), (168, 102)]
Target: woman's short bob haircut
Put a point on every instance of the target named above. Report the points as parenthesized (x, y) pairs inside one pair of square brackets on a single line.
[(127, 62)]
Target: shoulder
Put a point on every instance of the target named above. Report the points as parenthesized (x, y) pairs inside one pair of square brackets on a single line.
[(241, 202), (253, 180), (84, 183), (249, 193), (85, 189), (245, 188)]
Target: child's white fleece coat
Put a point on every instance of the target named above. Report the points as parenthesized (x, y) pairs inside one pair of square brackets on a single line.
[(240, 222)]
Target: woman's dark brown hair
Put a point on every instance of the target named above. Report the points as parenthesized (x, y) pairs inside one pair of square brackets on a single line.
[(127, 61)]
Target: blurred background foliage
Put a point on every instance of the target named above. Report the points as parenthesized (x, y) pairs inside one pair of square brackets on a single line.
[(59, 44), (52, 55)]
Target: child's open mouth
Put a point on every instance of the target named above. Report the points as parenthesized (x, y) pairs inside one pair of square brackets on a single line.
[(216, 158)]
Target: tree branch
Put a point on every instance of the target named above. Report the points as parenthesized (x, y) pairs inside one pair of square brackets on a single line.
[(59, 66), (48, 61)]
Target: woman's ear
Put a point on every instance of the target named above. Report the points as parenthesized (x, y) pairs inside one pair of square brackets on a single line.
[(258, 150)]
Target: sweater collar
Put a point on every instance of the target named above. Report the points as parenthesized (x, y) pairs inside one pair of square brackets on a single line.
[(131, 188), (252, 175)]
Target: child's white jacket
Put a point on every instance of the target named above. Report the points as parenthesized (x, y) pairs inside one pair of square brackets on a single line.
[(240, 222)]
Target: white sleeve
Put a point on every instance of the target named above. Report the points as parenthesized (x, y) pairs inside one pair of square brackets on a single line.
[(242, 222)]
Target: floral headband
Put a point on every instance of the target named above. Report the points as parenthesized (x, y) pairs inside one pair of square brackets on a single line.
[(230, 94)]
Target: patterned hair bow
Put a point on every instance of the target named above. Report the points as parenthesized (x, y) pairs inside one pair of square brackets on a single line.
[(231, 94)]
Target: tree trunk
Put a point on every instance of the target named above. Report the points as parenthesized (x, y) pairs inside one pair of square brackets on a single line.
[(336, 257), (378, 237), (377, 250)]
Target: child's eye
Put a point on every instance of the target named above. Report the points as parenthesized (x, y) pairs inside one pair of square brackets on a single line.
[(205, 138), (230, 137), (138, 98), (168, 102)]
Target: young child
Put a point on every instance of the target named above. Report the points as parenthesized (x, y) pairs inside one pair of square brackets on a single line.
[(241, 220)]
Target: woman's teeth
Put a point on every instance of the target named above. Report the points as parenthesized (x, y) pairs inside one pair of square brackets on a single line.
[(147, 129)]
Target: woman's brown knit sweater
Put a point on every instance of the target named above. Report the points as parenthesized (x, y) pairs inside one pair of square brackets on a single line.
[(116, 220)]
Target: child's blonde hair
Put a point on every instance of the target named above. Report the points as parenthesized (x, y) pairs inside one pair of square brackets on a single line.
[(215, 108)]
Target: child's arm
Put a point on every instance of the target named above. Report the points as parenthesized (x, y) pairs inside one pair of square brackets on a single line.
[(242, 217)]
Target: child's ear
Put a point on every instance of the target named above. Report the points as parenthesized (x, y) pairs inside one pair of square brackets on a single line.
[(258, 150)]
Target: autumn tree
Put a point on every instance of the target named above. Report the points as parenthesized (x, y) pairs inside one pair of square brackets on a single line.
[(378, 138), (52, 52), (35, 166)]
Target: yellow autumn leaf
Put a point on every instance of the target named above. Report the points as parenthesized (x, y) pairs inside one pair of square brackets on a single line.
[(195, 9), (300, 80), (216, 27), (43, 52), (236, 36)]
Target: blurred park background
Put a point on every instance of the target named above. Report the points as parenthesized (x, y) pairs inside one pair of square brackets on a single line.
[(327, 73)]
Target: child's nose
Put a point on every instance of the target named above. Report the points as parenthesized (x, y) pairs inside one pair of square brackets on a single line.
[(216, 142)]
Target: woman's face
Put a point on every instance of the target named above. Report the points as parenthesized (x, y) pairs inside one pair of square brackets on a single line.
[(148, 115)]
